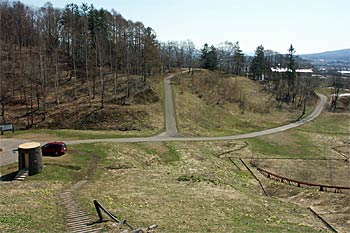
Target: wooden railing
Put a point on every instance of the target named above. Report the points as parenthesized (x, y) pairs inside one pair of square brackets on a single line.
[(100, 207), (321, 187)]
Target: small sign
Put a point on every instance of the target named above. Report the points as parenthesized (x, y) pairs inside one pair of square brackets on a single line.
[(7, 127)]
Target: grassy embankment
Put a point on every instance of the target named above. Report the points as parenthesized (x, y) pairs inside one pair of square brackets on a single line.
[(216, 104)]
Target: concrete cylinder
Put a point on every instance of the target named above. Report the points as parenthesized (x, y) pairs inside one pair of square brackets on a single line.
[(30, 157)]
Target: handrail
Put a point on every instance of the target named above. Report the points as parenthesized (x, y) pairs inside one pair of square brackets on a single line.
[(271, 175), (100, 207)]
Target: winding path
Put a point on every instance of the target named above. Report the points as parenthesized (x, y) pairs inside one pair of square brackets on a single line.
[(171, 134)]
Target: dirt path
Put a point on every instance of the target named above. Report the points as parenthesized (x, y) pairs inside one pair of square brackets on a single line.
[(76, 219)]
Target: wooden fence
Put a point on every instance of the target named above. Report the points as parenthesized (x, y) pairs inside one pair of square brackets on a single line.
[(320, 187)]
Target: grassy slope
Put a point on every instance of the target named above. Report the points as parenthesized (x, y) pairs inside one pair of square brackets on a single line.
[(314, 139), (199, 117), (185, 187)]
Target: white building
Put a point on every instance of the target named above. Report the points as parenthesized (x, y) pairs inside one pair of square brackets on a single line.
[(284, 70)]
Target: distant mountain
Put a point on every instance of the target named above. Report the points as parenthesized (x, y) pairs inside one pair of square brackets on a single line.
[(343, 54)]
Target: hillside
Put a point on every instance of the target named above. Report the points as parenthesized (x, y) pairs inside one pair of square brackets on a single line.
[(63, 101), (62, 68), (343, 54), (330, 60), (141, 110), (213, 103)]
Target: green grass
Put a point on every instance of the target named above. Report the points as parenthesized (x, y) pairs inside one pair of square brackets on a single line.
[(66, 170), (8, 168), (83, 134), (172, 156), (328, 92), (329, 123), (299, 146), (31, 206)]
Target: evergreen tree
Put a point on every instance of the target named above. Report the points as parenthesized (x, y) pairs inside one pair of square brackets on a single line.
[(291, 74), (238, 60), (209, 57), (257, 67), (204, 56), (213, 58)]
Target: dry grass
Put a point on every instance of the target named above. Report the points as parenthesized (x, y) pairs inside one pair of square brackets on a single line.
[(326, 172), (192, 186), (199, 192), (206, 107), (315, 140)]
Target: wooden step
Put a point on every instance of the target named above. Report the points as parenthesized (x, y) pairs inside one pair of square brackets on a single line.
[(22, 174)]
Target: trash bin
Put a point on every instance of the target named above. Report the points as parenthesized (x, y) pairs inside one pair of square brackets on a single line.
[(30, 157)]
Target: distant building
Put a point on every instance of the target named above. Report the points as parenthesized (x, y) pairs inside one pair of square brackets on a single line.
[(345, 73), (284, 70), (305, 73)]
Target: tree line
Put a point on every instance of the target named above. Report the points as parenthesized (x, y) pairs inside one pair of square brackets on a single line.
[(43, 48), (287, 86)]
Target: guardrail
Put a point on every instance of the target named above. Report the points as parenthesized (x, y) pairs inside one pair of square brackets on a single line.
[(100, 207), (321, 187)]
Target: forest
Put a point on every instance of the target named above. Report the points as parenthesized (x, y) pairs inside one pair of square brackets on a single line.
[(43, 49)]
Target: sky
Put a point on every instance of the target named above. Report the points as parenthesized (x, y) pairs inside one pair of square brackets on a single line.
[(310, 25)]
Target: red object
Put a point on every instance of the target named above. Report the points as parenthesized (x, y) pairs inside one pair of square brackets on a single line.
[(54, 148)]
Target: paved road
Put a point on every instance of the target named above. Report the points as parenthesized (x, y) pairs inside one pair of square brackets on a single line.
[(7, 145), (170, 115), (171, 134), (317, 111)]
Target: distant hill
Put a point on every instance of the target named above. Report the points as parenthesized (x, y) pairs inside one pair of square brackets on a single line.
[(343, 54)]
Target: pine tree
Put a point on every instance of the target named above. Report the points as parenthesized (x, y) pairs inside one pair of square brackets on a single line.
[(291, 74), (238, 60), (209, 57), (257, 67)]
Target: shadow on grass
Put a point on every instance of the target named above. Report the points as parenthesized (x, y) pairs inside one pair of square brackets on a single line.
[(8, 177)]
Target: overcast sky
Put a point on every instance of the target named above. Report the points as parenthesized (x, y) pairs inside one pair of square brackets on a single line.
[(310, 25)]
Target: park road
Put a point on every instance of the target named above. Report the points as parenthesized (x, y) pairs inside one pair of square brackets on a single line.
[(170, 115), (171, 134)]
